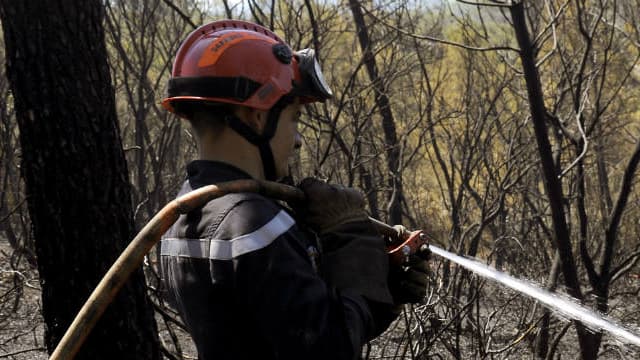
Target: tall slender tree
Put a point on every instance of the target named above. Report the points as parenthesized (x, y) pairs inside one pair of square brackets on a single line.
[(394, 206), (74, 170)]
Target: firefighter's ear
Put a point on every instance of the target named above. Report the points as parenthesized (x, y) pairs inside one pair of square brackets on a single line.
[(256, 119)]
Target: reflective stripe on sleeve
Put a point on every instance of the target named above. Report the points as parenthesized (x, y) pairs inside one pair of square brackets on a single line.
[(215, 249)]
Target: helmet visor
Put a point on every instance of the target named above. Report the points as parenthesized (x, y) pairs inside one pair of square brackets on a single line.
[(313, 86)]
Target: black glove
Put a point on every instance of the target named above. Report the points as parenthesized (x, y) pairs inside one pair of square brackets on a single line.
[(408, 283), (353, 253), (328, 205)]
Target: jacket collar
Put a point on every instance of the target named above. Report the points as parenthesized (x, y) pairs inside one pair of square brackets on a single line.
[(206, 172)]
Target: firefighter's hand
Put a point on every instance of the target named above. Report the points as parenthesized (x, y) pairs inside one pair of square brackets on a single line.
[(328, 206), (402, 234), (409, 283)]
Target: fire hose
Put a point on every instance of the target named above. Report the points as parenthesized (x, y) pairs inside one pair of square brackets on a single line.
[(399, 249)]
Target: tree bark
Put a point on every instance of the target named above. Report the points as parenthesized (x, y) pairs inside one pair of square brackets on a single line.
[(74, 170)]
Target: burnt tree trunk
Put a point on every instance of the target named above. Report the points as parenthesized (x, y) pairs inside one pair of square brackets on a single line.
[(74, 170), (553, 185), (388, 123)]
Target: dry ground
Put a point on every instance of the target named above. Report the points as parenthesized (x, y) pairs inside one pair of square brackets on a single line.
[(502, 323), (21, 323)]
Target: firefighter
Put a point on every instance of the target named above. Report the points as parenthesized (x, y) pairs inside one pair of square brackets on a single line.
[(251, 278)]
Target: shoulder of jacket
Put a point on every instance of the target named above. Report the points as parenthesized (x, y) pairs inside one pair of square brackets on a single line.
[(243, 213), (234, 225), (252, 223)]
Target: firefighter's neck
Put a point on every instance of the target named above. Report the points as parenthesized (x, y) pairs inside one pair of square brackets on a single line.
[(229, 147)]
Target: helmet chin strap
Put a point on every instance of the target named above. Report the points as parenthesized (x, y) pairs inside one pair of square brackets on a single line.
[(262, 140)]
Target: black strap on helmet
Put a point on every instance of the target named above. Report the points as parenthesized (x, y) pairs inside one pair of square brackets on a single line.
[(262, 141), (237, 88)]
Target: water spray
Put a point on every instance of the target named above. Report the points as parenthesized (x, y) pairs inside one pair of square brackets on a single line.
[(554, 301)]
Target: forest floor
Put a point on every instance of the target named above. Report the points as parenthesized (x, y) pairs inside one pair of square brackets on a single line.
[(502, 324), (21, 322)]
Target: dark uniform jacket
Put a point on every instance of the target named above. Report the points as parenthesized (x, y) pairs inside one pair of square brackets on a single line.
[(243, 275)]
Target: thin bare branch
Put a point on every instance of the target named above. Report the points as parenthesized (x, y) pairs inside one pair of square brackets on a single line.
[(184, 17), (437, 40), (500, 4)]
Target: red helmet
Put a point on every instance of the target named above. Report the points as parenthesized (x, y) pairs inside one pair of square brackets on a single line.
[(238, 62)]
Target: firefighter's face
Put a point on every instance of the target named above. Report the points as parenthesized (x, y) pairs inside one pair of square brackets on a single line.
[(286, 138)]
